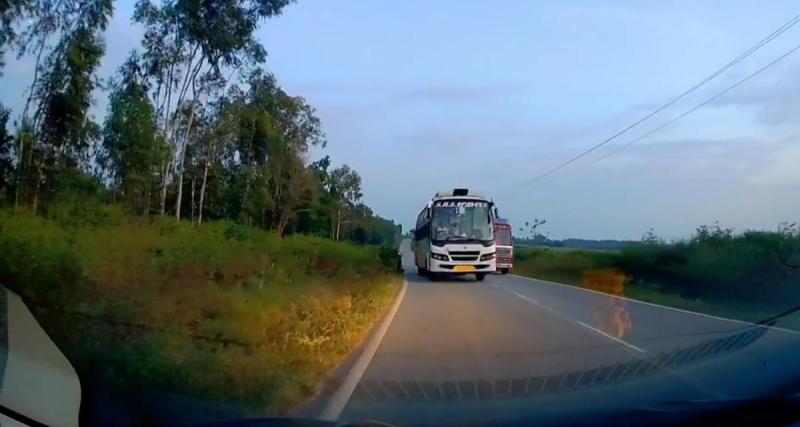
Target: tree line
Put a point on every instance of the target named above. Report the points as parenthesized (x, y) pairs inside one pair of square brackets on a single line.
[(196, 128)]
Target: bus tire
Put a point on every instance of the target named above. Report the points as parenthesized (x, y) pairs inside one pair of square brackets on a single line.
[(433, 277), (480, 276), (503, 271)]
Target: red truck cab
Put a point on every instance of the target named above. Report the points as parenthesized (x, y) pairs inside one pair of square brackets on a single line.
[(505, 248)]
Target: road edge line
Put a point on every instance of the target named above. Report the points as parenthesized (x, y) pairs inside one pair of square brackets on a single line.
[(335, 405), (681, 310), (611, 337)]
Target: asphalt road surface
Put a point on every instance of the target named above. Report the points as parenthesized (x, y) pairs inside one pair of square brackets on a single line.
[(514, 349)]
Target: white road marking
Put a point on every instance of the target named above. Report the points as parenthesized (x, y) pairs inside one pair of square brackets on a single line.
[(579, 323), (333, 409), (611, 337), (680, 310), (530, 300)]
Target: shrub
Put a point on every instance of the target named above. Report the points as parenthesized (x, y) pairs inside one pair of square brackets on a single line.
[(37, 259), (390, 258), (560, 265), (220, 311), (84, 213), (718, 264)]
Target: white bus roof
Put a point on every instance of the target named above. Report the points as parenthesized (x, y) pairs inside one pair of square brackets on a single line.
[(469, 197), (459, 193)]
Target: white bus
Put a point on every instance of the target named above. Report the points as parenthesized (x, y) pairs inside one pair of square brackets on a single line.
[(455, 235)]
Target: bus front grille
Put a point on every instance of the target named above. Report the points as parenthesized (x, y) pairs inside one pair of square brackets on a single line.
[(464, 255), (477, 266)]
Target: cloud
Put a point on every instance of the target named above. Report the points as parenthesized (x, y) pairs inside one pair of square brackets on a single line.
[(393, 97), (776, 102), (780, 168), (456, 93)]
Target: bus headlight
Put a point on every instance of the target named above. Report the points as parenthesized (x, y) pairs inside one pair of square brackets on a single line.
[(487, 257), (440, 257)]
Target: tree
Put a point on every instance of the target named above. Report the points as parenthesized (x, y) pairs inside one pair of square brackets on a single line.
[(177, 120), (368, 228), (345, 186), (11, 11), (187, 45), (317, 219), (531, 229), (133, 147), (64, 130), (292, 128), (787, 246), (651, 238), (219, 127), (713, 235), (247, 155), (65, 39), (6, 157)]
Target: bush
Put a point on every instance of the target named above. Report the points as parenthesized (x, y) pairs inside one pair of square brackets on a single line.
[(719, 265), (84, 213), (716, 264), (220, 311), (390, 258), (37, 260), (653, 260), (560, 264)]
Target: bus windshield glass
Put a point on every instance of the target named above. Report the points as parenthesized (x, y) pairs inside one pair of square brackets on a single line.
[(462, 220), (503, 236)]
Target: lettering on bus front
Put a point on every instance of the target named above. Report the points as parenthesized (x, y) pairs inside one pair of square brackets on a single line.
[(461, 204)]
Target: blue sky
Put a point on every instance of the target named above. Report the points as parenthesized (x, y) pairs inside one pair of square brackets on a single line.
[(420, 96)]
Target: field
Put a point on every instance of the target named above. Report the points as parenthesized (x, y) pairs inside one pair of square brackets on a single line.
[(221, 312), (752, 276)]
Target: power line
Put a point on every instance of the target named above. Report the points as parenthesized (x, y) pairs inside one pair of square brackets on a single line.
[(698, 106), (710, 77)]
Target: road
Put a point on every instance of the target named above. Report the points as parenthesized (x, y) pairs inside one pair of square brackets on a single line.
[(513, 348)]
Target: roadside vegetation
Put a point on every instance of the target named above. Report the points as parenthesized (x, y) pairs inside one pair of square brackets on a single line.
[(185, 241), (750, 276), (222, 311)]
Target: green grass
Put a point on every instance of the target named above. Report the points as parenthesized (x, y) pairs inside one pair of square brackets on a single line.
[(747, 311), (220, 311), (620, 274), (560, 265)]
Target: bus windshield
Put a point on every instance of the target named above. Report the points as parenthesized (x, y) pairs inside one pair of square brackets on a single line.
[(503, 236), (461, 221)]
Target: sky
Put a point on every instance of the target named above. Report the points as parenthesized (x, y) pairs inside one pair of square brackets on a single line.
[(422, 96)]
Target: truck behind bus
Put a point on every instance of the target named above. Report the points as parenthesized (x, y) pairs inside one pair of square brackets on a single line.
[(504, 257)]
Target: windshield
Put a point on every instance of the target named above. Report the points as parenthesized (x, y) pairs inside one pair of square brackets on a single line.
[(503, 236), (413, 212), (461, 221)]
